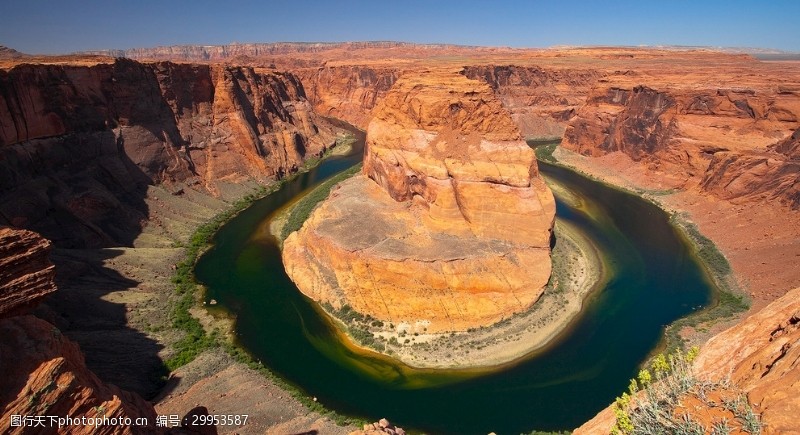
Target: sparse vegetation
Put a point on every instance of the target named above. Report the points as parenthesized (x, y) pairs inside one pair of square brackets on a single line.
[(544, 149), (359, 327), (302, 210), (729, 300), (241, 356), (654, 401), (195, 339)]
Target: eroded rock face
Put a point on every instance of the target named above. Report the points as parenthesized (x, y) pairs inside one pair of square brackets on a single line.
[(733, 140), (541, 99), (43, 372), (26, 274), (348, 92), (80, 145), (449, 225)]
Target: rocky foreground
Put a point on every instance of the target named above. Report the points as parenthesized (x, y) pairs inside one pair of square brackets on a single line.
[(449, 225), (44, 372), (759, 357)]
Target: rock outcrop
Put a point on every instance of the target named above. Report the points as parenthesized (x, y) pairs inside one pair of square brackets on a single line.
[(452, 220), (381, 427), (26, 274), (80, 145), (348, 92), (760, 357), (44, 373)]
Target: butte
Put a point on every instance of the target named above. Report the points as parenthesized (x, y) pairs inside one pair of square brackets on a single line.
[(448, 225)]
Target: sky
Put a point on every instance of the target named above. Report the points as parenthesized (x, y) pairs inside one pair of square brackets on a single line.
[(63, 26)]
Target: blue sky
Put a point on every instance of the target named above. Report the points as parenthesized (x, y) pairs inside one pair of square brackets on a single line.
[(36, 26)]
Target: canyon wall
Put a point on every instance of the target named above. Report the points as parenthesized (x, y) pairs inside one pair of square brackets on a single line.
[(319, 50), (733, 140), (348, 92), (541, 100), (26, 274), (44, 373), (80, 144), (456, 219)]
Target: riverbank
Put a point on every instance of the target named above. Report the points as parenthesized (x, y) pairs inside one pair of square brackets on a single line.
[(215, 361), (748, 249), (578, 269)]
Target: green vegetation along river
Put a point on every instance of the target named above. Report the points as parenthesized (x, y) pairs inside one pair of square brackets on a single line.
[(654, 280)]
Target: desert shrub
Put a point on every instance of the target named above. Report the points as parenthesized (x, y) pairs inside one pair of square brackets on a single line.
[(650, 404)]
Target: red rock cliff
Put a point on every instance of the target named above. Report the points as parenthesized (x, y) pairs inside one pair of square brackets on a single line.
[(457, 221), (541, 99), (26, 274), (80, 144), (760, 357), (348, 92), (732, 138)]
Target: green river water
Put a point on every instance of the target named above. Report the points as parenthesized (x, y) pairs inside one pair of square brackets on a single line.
[(654, 280)]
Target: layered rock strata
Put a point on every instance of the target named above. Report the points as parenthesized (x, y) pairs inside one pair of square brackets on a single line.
[(733, 140), (449, 224), (541, 99), (79, 145), (26, 274)]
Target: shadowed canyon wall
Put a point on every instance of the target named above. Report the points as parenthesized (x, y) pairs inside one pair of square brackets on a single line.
[(102, 156), (79, 145), (44, 372)]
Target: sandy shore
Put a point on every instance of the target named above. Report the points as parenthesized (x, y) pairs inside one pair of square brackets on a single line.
[(578, 269)]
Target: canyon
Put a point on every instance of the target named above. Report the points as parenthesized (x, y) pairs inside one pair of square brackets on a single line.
[(117, 161)]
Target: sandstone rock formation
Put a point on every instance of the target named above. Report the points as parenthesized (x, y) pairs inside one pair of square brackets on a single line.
[(80, 145), (732, 137), (760, 356), (348, 92), (44, 373), (541, 99), (381, 427), (452, 221), (26, 274)]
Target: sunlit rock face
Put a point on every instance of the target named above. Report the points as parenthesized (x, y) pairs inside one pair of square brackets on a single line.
[(449, 224)]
